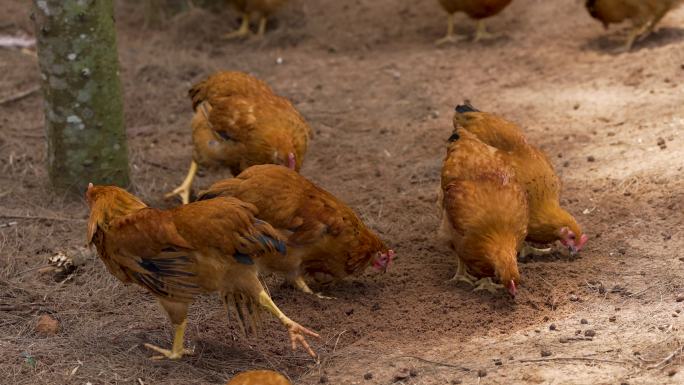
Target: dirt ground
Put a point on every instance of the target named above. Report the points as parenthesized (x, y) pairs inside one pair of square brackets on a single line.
[(380, 95)]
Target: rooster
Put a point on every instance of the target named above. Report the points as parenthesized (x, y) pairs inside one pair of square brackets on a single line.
[(177, 254), (326, 240), (483, 211), (239, 122), (548, 221)]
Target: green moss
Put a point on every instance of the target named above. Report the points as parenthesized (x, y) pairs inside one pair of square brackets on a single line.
[(84, 108)]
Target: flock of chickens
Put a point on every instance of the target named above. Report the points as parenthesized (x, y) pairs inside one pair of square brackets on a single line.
[(643, 14), (271, 219)]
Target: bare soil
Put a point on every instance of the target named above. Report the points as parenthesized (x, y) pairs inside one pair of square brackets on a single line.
[(380, 96)]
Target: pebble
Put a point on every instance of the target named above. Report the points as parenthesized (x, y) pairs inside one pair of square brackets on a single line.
[(584, 321), (323, 379), (672, 372), (47, 326), (680, 297), (545, 353), (401, 374), (573, 298), (368, 376), (413, 372), (612, 318), (482, 373), (456, 382), (590, 333), (591, 158), (552, 327)]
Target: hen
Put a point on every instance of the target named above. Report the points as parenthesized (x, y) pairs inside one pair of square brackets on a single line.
[(644, 14), (326, 240), (259, 377), (248, 7), (476, 9), (548, 221), (239, 122), (484, 213), (177, 254)]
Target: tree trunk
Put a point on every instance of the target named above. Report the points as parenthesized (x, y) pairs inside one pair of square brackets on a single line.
[(83, 104)]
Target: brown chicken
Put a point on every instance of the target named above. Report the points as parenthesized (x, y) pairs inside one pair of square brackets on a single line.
[(259, 377), (548, 221), (326, 240), (248, 7), (239, 122), (476, 9), (177, 254), (644, 15), (484, 213)]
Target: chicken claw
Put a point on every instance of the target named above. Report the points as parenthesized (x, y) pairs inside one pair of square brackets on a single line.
[(450, 37), (462, 274), (481, 32), (296, 331), (241, 32), (487, 284), (528, 250), (301, 285), (169, 354), (177, 351)]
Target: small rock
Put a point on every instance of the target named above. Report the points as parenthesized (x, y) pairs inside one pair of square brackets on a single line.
[(482, 373), (497, 362), (566, 163), (552, 327), (573, 298), (661, 143), (680, 297), (591, 158), (545, 353), (612, 318), (47, 326), (584, 321), (672, 372), (563, 340), (413, 372), (589, 333), (546, 318), (323, 380), (456, 382), (401, 374), (349, 311), (368, 376)]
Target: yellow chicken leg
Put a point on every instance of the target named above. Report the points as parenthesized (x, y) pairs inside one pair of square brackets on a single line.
[(262, 27), (528, 250), (462, 274), (184, 189), (487, 284), (177, 351), (296, 331), (300, 284), (450, 37), (240, 32), (481, 32)]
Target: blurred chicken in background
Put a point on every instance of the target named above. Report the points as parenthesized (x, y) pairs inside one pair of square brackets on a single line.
[(264, 8), (475, 9), (644, 15), (259, 377)]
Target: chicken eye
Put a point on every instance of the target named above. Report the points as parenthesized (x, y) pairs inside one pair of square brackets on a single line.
[(571, 236)]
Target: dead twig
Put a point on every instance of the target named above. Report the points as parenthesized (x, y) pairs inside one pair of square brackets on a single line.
[(445, 364), (59, 219), (574, 359), (20, 95), (667, 359)]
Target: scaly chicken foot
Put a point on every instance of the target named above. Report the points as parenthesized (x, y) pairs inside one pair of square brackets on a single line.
[(300, 284), (450, 36), (528, 250), (487, 284), (462, 274), (177, 351), (241, 32), (296, 331), (481, 32), (184, 189)]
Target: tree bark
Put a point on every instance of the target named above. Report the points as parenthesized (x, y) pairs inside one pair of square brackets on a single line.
[(83, 104)]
